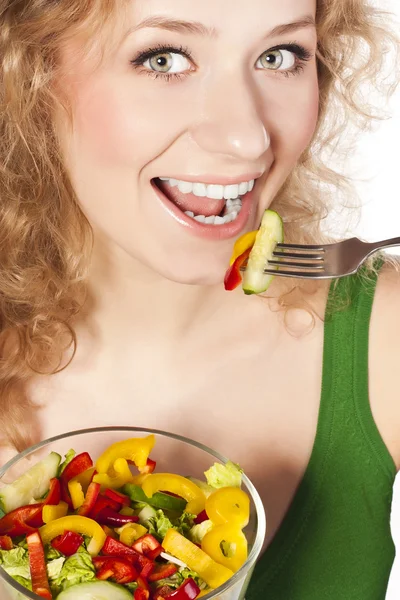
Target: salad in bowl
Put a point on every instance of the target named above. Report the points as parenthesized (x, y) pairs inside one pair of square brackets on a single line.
[(127, 513)]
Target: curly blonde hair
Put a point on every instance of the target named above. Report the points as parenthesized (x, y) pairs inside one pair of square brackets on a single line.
[(45, 239)]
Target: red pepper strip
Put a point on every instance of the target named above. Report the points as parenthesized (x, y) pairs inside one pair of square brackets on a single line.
[(79, 464), (15, 522), (201, 517), (6, 542), (118, 569), (37, 564), (53, 498), (92, 494), (65, 495), (101, 503), (163, 571), (149, 468), (146, 544), (162, 592), (141, 594), (142, 583), (233, 277), (110, 517), (189, 590), (68, 543), (113, 547), (117, 497), (153, 554), (148, 569), (146, 565)]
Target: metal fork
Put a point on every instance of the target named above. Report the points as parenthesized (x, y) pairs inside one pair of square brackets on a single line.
[(325, 261)]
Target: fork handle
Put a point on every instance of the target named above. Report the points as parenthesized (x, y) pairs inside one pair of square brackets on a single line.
[(385, 244)]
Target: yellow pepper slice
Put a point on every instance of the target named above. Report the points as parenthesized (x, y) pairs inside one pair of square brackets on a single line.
[(122, 475), (196, 559), (78, 525), (169, 482), (229, 505), (134, 449), (53, 512), (76, 493), (227, 545), (84, 478), (132, 532), (127, 511), (245, 242)]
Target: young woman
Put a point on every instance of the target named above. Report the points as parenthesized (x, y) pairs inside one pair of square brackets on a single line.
[(116, 119)]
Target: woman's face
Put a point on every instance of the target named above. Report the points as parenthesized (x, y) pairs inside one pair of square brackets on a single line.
[(203, 107)]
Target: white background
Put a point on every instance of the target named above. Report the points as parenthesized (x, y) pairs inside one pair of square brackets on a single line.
[(377, 168)]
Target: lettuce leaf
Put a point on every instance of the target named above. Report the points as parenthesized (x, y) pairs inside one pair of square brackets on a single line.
[(197, 532), (16, 562), (229, 475), (78, 568)]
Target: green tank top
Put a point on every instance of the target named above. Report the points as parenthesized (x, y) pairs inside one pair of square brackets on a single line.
[(335, 541)]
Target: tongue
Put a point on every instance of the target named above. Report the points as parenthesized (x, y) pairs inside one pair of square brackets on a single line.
[(190, 202)]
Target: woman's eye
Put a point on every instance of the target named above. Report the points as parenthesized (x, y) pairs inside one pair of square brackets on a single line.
[(167, 62), (277, 60)]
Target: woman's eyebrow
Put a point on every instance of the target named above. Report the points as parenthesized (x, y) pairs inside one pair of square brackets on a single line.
[(196, 28)]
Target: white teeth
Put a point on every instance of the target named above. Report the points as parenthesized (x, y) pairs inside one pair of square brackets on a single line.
[(243, 188), (231, 191), (200, 190), (232, 210), (215, 192), (212, 191), (185, 187)]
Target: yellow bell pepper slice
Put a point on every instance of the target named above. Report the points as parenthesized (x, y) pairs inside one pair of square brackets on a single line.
[(122, 475), (229, 505), (196, 559), (127, 511), (134, 449), (78, 525), (169, 482), (227, 545), (132, 532), (84, 478), (76, 493), (245, 242), (52, 512)]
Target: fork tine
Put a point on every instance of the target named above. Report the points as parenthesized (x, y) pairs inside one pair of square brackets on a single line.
[(296, 256), (300, 247), (286, 263), (298, 274)]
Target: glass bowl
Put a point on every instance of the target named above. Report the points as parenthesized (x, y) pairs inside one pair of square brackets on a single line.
[(173, 453)]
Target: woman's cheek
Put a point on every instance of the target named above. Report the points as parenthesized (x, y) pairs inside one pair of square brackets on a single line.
[(132, 127)]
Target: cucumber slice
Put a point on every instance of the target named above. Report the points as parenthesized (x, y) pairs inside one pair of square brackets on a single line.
[(95, 590), (148, 512), (269, 235), (158, 500), (31, 485)]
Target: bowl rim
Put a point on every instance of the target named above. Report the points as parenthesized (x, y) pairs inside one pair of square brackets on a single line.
[(246, 568)]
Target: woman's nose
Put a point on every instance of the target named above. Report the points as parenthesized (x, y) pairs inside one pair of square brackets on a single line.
[(231, 121)]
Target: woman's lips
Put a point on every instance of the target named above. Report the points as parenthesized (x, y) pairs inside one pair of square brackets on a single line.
[(204, 230)]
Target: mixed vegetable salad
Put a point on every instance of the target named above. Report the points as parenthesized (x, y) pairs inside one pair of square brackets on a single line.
[(251, 253), (119, 530)]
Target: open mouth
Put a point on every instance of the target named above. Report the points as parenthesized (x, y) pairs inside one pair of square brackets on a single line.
[(211, 204)]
